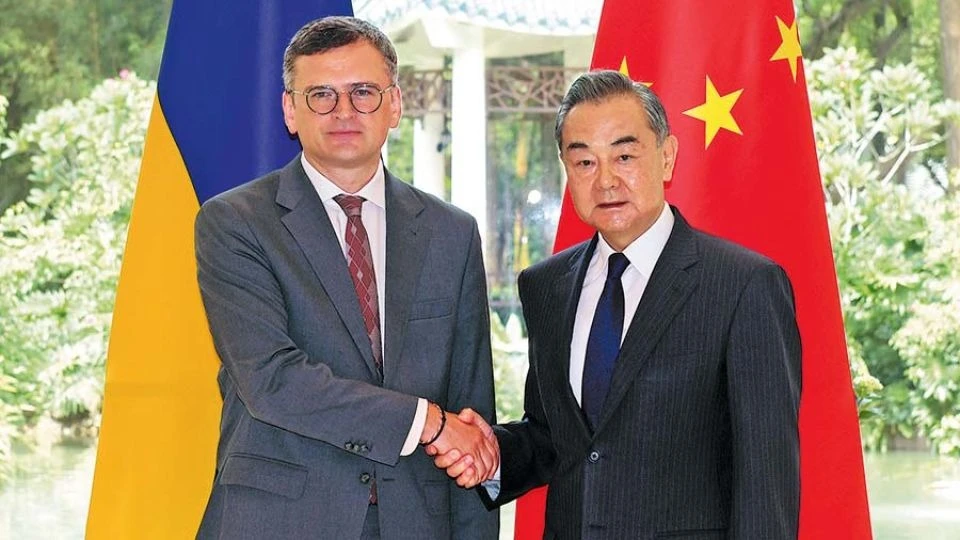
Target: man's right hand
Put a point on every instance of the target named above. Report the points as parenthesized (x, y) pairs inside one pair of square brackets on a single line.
[(471, 454)]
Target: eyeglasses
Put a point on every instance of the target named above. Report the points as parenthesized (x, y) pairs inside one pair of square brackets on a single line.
[(365, 98)]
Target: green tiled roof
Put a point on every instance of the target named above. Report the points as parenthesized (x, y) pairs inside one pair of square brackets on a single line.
[(549, 17)]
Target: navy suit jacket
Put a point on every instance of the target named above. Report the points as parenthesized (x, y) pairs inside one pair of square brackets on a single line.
[(306, 420), (698, 435)]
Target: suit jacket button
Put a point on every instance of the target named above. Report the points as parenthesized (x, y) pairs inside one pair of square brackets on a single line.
[(364, 449), (365, 478), (593, 457), (349, 446)]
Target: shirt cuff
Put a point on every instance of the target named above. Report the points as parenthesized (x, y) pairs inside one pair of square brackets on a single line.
[(493, 485), (419, 420)]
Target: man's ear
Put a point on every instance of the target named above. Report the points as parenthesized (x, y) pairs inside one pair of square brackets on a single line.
[(669, 150), (289, 112), (396, 107)]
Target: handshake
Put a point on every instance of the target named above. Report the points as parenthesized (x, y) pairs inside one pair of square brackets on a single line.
[(463, 444)]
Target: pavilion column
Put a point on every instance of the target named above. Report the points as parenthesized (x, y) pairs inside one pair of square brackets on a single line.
[(429, 168), (576, 55), (469, 128)]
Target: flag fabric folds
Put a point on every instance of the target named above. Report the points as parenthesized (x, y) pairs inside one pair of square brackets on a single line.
[(216, 123), (731, 77)]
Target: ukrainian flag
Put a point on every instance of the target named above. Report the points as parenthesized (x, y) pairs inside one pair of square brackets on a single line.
[(216, 123)]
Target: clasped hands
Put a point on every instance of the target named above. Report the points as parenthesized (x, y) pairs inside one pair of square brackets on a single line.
[(463, 444)]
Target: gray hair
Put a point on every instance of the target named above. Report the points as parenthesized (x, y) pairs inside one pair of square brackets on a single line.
[(328, 33), (597, 86)]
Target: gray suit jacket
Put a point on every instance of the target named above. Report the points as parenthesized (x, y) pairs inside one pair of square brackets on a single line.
[(698, 436), (306, 421)]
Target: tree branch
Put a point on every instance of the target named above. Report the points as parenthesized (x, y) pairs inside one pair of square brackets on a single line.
[(827, 32), (882, 48)]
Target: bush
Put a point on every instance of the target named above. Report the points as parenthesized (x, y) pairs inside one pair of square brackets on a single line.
[(60, 252), (889, 204)]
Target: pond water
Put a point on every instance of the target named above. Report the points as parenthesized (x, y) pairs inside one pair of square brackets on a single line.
[(48, 495), (913, 496)]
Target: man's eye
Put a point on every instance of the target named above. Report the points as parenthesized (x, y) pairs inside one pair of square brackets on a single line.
[(364, 92), (625, 157), (323, 94), (584, 162)]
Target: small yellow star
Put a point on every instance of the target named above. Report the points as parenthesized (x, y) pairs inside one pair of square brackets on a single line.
[(626, 71), (789, 49), (716, 112)]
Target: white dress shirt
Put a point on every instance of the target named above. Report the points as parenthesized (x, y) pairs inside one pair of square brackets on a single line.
[(642, 254), (373, 214)]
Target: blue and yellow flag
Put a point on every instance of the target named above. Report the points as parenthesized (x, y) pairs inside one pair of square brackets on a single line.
[(216, 123)]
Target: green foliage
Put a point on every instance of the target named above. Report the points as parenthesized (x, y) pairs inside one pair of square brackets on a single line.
[(929, 342), (51, 51), (509, 366), (8, 384), (891, 31), (8, 420), (60, 251), (400, 150), (889, 207), (527, 195), (4, 103)]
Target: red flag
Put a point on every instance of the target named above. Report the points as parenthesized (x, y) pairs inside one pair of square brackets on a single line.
[(730, 75)]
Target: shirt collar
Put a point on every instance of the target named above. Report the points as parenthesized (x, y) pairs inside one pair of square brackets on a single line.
[(642, 252), (373, 191)]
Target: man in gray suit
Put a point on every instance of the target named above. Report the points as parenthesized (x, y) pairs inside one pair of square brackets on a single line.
[(664, 381), (349, 312)]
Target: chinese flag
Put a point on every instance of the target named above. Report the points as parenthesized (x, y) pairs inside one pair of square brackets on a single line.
[(730, 74)]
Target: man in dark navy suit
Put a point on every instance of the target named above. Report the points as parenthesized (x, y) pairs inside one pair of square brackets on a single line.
[(664, 382)]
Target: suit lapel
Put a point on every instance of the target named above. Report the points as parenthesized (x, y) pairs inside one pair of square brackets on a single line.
[(406, 249), (567, 290), (310, 226), (674, 278)]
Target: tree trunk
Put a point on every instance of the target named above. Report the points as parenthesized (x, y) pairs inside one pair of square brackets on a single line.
[(950, 44)]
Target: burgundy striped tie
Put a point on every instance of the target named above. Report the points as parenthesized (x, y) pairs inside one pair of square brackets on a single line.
[(360, 262)]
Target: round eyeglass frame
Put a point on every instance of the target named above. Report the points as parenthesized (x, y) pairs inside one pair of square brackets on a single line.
[(338, 93)]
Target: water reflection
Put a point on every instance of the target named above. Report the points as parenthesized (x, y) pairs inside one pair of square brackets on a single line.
[(913, 496), (48, 494)]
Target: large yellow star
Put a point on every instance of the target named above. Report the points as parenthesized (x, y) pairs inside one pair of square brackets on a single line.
[(789, 49), (716, 112)]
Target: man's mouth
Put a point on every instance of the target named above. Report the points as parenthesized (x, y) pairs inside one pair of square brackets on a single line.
[(610, 205)]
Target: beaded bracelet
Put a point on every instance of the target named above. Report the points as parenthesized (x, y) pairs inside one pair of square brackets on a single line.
[(443, 422)]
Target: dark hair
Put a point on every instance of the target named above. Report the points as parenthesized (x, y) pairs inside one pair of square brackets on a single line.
[(328, 33), (597, 86)]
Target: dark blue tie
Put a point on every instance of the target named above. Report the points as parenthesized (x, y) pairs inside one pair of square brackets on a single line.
[(603, 345)]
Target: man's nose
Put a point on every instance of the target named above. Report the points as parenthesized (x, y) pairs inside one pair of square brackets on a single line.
[(344, 108), (608, 178)]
